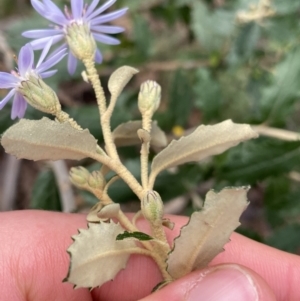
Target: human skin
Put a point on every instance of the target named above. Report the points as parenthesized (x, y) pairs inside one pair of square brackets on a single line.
[(33, 262)]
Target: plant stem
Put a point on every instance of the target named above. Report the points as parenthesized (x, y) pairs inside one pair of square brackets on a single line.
[(146, 124), (151, 181), (122, 172), (112, 160), (62, 116), (276, 133), (106, 130)]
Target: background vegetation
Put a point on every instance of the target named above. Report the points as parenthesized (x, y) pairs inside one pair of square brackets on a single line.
[(212, 66)]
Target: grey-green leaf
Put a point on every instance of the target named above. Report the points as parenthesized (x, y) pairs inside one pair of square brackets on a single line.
[(96, 255), (207, 231), (205, 141), (119, 79), (126, 134), (46, 139)]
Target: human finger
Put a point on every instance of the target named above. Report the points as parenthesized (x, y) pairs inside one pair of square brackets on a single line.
[(218, 283)]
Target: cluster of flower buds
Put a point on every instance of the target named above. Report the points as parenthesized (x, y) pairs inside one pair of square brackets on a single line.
[(83, 179)]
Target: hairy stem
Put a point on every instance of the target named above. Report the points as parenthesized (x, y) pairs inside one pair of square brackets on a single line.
[(276, 133), (159, 250), (151, 181), (122, 172), (146, 124), (106, 130), (112, 160), (163, 248), (62, 116)]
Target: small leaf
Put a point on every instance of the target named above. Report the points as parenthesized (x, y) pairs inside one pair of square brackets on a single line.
[(144, 136), (47, 140), (101, 213), (96, 255), (138, 235), (205, 141), (120, 78), (109, 211), (126, 134), (207, 231)]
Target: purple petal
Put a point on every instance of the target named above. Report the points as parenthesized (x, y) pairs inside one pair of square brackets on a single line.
[(38, 6), (49, 11), (41, 33), (25, 59), (47, 73), (41, 43), (98, 57), (72, 63), (77, 8), (58, 19), (101, 9), (53, 8), (58, 49), (91, 7), (107, 29), (109, 17), (8, 80), (19, 106), (44, 53), (52, 60), (105, 39), (5, 100)]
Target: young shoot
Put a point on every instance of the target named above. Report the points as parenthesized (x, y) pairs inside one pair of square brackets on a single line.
[(101, 250)]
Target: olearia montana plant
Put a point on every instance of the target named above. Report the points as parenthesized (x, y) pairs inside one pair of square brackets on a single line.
[(99, 252)]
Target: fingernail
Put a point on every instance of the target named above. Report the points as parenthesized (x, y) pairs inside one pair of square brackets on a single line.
[(223, 284)]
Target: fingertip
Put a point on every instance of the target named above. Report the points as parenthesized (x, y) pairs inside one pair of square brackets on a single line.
[(219, 283)]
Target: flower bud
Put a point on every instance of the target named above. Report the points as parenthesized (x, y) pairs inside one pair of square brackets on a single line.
[(149, 97), (39, 95), (96, 180), (152, 207), (81, 41), (79, 176)]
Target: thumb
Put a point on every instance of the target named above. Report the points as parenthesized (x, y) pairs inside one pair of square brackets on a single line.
[(220, 283)]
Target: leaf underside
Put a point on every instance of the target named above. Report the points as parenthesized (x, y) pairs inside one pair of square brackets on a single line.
[(205, 141), (46, 139), (96, 255), (126, 134), (207, 231)]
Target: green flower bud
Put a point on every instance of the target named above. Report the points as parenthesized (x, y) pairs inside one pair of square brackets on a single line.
[(39, 95), (96, 180), (149, 97), (152, 207), (79, 176), (81, 41)]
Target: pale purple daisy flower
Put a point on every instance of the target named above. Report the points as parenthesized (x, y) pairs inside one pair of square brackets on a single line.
[(81, 14), (22, 74)]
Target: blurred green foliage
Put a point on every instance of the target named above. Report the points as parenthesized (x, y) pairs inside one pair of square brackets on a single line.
[(211, 68)]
